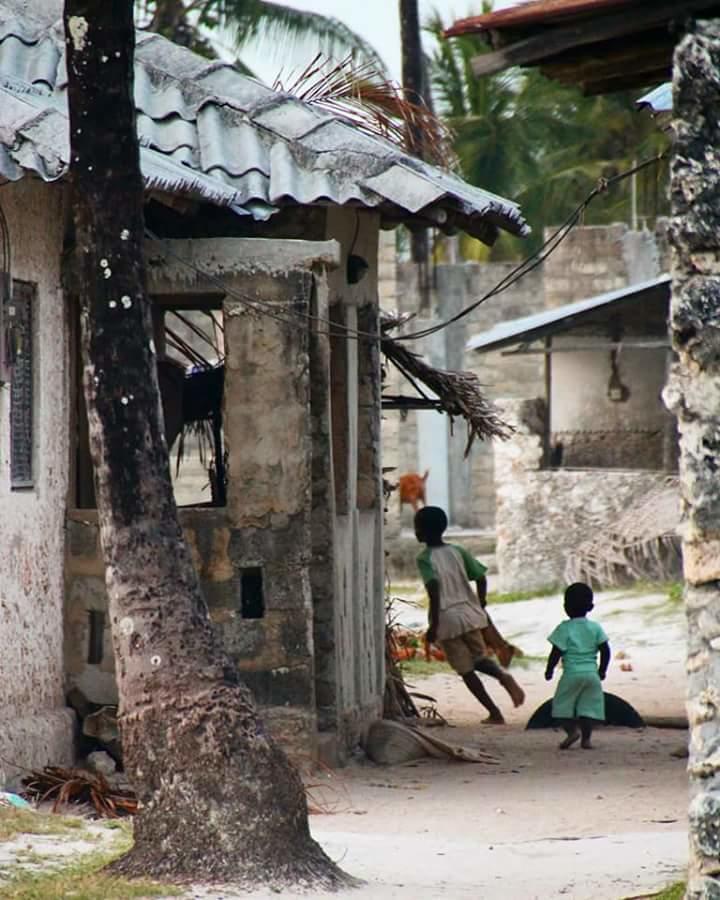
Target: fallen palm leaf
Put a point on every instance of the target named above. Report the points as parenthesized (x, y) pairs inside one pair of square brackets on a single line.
[(77, 786), (458, 394), (642, 543)]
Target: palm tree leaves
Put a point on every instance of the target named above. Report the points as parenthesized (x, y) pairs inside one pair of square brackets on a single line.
[(269, 26), (541, 143)]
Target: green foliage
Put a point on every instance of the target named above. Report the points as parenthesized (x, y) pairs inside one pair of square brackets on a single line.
[(421, 668), (22, 821), (673, 892), (543, 144), (268, 25), (295, 35), (84, 879), (494, 599)]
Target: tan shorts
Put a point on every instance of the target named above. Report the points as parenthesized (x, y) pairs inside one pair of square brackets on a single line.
[(463, 651)]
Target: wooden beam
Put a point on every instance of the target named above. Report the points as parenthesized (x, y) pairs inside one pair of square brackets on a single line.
[(625, 82), (612, 61), (552, 41)]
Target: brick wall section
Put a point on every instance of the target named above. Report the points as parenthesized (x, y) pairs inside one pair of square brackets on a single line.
[(591, 260)]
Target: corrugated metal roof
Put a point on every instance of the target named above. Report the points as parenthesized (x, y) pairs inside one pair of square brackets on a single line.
[(236, 141), (544, 11), (659, 99), (530, 328)]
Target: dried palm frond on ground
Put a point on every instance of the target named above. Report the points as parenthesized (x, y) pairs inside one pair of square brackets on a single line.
[(642, 544), (397, 702), (361, 94), (78, 786), (456, 393)]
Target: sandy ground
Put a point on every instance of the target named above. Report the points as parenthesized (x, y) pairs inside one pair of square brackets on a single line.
[(604, 824), (587, 825)]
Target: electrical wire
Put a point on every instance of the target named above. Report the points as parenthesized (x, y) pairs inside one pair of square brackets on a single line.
[(338, 329)]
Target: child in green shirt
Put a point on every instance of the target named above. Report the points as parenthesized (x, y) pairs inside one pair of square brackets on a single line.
[(457, 619), (579, 700)]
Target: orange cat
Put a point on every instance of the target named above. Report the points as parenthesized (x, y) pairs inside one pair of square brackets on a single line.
[(411, 489)]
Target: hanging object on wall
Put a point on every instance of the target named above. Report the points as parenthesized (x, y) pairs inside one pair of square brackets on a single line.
[(616, 391)]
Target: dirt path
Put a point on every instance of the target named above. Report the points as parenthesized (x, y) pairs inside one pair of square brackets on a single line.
[(542, 824)]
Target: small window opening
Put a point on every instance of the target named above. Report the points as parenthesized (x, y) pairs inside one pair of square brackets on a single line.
[(189, 342), (252, 602), (96, 633)]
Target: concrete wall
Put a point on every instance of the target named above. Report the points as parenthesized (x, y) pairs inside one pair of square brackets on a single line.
[(354, 690), (591, 260), (544, 514), (35, 726), (293, 416), (470, 481)]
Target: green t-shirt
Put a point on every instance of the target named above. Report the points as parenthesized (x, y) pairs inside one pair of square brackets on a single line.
[(578, 640), (473, 568)]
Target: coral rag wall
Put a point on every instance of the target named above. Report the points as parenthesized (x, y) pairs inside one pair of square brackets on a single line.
[(36, 727), (544, 514)]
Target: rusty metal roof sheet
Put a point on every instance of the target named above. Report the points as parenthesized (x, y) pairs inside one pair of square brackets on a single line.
[(210, 131), (537, 11)]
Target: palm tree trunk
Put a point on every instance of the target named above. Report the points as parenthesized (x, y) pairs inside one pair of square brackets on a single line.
[(414, 88), (219, 800), (693, 393)]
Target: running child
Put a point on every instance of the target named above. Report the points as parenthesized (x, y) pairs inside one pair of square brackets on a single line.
[(457, 619), (579, 701)]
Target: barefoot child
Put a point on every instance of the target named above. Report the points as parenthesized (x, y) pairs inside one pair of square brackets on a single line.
[(457, 617), (579, 700)]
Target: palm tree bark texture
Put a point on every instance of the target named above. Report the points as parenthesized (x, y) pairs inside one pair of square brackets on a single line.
[(219, 801), (693, 393)]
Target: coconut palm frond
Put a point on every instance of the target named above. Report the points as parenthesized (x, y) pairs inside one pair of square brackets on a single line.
[(643, 543), (268, 25), (459, 394), (360, 93)]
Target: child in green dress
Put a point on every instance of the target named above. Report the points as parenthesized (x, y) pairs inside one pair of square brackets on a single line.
[(579, 700)]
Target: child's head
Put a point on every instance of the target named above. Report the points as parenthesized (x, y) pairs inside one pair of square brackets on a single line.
[(578, 600), (430, 523)]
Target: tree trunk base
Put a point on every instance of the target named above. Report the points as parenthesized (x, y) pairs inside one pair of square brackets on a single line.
[(219, 800), (305, 867)]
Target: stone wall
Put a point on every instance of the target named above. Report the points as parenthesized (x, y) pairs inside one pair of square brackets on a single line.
[(36, 728), (292, 568), (544, 514), (470, 489), (591, 260), (595, 259), (628, 449)]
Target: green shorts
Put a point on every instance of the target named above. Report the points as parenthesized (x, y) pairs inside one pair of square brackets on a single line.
[(579, 694)]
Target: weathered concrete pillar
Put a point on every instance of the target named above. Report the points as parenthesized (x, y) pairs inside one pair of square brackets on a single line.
[(693, 393)]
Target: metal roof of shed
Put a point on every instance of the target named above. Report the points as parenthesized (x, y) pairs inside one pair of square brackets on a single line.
[(561, 318), (213, 132), (659, 99)]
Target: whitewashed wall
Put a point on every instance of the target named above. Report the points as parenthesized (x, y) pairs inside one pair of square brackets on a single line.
[(35, 725)]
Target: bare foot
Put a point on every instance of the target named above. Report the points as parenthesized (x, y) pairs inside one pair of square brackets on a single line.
[(494, 720), (517, 694), (571, 739)]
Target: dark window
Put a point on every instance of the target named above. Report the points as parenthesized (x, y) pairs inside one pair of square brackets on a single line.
[(252, 603), (19, 339), (96, 635)]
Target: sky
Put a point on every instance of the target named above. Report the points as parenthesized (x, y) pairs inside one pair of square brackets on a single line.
[(375, 20)]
